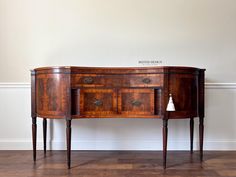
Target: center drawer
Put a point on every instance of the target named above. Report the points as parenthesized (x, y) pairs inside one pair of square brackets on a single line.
[(113, 102), (131, 80)]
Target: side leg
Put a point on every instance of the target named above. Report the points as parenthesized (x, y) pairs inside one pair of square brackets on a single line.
[(164, 134), (68, 138), (45, 135), (34, 136), (191, 134), (201, 132)]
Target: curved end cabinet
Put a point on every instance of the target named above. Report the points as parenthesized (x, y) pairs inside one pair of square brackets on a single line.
[(95, 92)]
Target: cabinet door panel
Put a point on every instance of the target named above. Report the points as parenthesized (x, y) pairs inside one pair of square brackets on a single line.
[(52, 95), (95, 102), (136, 101), (184, 91)]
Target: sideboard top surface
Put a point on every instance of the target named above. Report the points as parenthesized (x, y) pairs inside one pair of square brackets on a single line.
[(117, 70)]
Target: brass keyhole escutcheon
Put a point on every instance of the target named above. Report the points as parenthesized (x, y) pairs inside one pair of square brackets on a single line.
[(88, 80), (146, 80), (136, 103), (98, 103)]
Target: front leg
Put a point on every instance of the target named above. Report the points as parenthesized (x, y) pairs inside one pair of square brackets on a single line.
[(45, 135), (68, 138), (34, 136), (201, 132), (191, 134), (165, 135)]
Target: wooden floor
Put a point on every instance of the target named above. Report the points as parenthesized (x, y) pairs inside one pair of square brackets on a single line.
[(117, 164)]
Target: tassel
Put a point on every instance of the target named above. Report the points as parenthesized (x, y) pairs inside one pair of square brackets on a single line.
[(170, 105)]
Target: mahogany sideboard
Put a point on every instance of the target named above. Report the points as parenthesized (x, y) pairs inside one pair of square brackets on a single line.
[(104, 92)]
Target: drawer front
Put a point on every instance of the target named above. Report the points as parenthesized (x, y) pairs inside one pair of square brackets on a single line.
[(129, 80), (95, 102), (136, 101)]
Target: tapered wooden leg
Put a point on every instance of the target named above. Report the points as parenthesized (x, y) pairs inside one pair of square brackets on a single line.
[(68, 138), (45, 135), (201, 132), (165, 134), (34, 136), (191, 134)]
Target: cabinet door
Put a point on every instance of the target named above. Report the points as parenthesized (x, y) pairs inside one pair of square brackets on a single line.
[(184, 90), (92, 102), (136, 101), (52, 95)]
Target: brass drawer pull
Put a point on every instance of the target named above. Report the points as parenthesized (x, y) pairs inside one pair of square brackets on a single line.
[(146, 80), (88, 80), (136, 103), (98, 103)]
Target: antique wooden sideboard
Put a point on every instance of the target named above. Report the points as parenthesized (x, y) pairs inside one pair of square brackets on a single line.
[(103, 92)]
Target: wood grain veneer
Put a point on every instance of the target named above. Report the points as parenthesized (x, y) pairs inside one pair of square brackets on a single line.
[(128, 92)]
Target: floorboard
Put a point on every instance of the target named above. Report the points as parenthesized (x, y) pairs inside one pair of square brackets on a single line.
[(118, 164)]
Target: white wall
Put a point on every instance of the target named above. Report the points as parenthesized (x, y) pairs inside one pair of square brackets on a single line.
[(119, 33), (197, 33)]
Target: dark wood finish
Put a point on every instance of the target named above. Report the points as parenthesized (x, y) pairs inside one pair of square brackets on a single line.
[(108, 80), (96, 102), (45, 135), (158, 101), (136, 102), (33, 114), (201, 93), (68, 140), (201, 111), (165, 135), (52, 93), (201, 131), (34, 136), (33, 95), (141, 92), (191, 134), (183, 88), (118, 164)]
